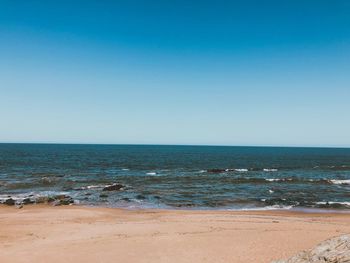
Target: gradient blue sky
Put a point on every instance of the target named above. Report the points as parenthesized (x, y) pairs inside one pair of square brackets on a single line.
[(175, 72)]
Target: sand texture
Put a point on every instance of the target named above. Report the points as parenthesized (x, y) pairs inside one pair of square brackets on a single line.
[(39, 233)]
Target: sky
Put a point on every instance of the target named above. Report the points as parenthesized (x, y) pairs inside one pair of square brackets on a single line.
[(273, 73)]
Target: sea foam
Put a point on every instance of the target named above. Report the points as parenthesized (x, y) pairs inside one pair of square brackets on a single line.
[(340, 181)]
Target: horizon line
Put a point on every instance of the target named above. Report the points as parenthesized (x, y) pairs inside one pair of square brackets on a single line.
[(189, 145)]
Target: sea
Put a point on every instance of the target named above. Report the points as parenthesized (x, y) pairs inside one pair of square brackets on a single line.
[(179, 177)]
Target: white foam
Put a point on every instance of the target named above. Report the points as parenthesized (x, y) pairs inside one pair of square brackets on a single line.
[(125, 169), (270, 170), (151, 173), (92, 187), (340, 181), (271, 191), (272, 179), (241, 170), (271, 207), (278, 179)]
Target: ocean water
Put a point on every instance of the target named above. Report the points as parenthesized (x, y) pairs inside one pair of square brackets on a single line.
[(191, 177)]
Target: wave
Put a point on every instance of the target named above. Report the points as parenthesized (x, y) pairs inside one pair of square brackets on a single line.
[(306, 204), (269, 207), (279, 179), (151, 173), (334, 181), (282, 168), (220, 170), (241, 170), (270, 170), (99, 186)]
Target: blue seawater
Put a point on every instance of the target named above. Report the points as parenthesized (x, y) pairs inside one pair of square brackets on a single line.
[(193, 177)]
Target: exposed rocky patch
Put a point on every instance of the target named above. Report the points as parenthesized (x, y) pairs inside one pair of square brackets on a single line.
[(9, 201), (113, 187), (53, 200), (335, 250)]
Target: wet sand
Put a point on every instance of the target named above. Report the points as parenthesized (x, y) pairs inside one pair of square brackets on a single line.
[(41, 233)]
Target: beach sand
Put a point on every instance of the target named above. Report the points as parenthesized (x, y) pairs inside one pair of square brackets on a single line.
[(41, 233)]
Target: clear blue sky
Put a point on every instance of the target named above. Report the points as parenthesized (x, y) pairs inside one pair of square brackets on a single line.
[(175, 72)]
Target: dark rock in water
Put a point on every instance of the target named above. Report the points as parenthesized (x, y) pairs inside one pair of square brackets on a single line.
[(27, 201), (157, 197), (10, 201), (47, 181), (44, 200), (113, 187), (67, 201), (126, 199), (55, 200), (103, 195), (63, 199), (216, 171), (140, 197), (335, 250), (60, 197)]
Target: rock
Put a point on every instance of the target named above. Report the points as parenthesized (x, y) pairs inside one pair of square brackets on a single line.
[(47, 180), (140, 197), (27, 201), (335, 250), (113, 187), (60, 197), (43, 200), (67, 201), (63, 200), (10, 201), (103, 195), (54, 200)]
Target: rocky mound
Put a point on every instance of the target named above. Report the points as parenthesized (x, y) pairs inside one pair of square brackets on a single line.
[(335, 250), (31, 199)]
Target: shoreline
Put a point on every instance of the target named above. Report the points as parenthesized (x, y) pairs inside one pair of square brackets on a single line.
[(79, 233), (306, 210)]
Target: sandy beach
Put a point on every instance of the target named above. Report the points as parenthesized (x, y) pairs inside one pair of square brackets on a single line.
[(41, 233)]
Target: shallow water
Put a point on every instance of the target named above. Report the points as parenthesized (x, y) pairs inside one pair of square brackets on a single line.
[(196, 177)]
